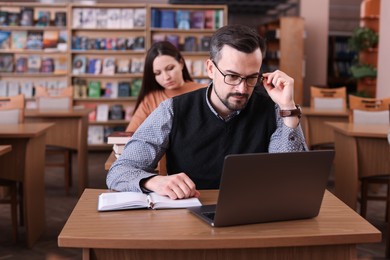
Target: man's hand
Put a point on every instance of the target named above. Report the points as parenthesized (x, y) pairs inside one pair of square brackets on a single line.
[(280, 88), (176, 186)]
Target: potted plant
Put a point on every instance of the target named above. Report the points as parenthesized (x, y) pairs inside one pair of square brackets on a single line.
[(362, 39), (360, 71)]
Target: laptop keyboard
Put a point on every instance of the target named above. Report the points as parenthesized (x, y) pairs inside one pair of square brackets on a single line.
[(209, 215)]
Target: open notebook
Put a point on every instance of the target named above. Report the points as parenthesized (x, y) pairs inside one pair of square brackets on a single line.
[(269, 187)]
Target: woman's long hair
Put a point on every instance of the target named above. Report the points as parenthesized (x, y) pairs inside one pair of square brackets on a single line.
[(149, 83)]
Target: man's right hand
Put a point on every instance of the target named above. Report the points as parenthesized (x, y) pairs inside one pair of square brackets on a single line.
[(176, 186)]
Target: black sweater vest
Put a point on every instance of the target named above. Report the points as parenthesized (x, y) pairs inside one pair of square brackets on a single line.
[(199, 140)]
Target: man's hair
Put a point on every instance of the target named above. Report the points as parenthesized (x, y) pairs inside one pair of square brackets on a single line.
[(239, 37)]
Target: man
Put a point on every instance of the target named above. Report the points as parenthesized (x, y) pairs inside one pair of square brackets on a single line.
[(197, 130)]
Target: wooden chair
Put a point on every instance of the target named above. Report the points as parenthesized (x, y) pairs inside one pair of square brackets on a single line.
[(374, 111), (61, 101), (327, 99), (12, 112)]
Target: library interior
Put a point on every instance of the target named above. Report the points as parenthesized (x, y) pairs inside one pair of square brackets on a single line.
[(71, 79)]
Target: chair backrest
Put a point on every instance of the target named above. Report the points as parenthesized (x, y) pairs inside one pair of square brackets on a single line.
[(12, 109), (368, 110), (62, 101), (328, 98)]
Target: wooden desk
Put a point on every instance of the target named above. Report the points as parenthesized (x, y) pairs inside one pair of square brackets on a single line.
[(70, 131), (361, 150), (25, 164), (314, 127), (177, 234), (5, 149)]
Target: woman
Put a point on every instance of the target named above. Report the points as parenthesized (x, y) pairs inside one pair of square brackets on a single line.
[(165, 76)]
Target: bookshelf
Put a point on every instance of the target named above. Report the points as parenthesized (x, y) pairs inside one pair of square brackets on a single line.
[(33, 47), (285, 50), (99, 50), (189, 28), (87, 36), (340, 59)]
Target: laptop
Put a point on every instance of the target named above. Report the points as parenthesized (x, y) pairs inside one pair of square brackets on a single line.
[(268, 187)]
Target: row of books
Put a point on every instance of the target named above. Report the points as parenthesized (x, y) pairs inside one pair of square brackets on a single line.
[(196, 68), (10, 88), (106, 66), (33, 64), (111, 89), (187, 43), (34, 40), (110, 18), (186, 19), (119, 43), (26, 18)]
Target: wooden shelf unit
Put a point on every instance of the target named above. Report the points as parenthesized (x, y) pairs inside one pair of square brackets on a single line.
[(285, 50)]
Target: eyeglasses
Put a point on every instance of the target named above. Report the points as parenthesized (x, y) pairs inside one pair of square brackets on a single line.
[(234, 80)]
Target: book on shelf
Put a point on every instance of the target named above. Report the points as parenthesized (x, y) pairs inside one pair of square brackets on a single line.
[(209, 20), (60, 19), (6, 63), (127, 18), (5, 40), (26, 16), (138, 44), (34, 40), (21, 65), (94, 89), (13, 88), (19, 40), (88, 18), (155, 18), (137, 65), (95, 134), (26, 88), (174, 39), (108, 66), (79, 88), (121, 43), (34, 63), (47, 65), (79, 65), (135, 87), (116, 112), (77, 16), (205, 43), (167, 19), (43, 18), (129, 111), (119, 137), (13, 18), (50, 39), (3, 88), (190, 44), (101, 18), (123, 65), (111, 89), (139, 17), (218, 19), (102, 112), (183, 19), (197, 67), (114, 18), (133, 200), (60, 65), (3, 18), (94, 66), (124, 89), (158, 38), (197, 19)]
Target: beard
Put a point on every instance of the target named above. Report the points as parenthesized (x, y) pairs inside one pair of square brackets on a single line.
[(236, 105)]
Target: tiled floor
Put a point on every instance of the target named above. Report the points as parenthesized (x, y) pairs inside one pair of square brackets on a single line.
[(59, 207)]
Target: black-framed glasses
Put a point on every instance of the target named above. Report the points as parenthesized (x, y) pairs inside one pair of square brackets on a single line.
[(234, 79)]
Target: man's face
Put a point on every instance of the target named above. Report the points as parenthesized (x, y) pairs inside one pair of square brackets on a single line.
[(227, 98)]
